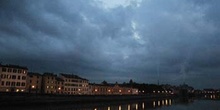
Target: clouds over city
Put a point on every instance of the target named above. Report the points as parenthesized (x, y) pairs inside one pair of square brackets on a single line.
[(145, 40)]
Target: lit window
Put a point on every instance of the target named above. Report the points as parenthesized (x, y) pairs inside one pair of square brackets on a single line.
[(32, 86)]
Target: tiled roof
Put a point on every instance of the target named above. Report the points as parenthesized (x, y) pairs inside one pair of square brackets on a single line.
[(14, 66), (36, 74), (59, 79), (49, 74), (72, 76)]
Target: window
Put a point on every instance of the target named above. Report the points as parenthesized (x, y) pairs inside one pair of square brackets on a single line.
[(23, 84), (47, 87), (37, 81), (13, 77), (30, 81), (19, 77), (2, 76), (18, 84), (7, 83), (14, 70), (12, 83), (9, 70), (23, 77), (3, 69), (8, 76), (19, 71), (3, 83)]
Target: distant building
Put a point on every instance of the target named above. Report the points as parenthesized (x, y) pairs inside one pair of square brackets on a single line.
[(74, 84), (111, 89), (49, 83), (34, 81), (13, 78)]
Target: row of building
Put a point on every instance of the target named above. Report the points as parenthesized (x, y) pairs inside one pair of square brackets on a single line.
[(15, 78)]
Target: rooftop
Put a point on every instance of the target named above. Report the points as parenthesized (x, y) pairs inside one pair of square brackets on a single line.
[(49, 74), (72, 76), (14, 66), (33, 73)]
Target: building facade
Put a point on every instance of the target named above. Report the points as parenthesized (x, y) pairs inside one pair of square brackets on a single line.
[(49, 83), (111, 89), (74, 84), (34, 82), (13, 78), (60, 85)]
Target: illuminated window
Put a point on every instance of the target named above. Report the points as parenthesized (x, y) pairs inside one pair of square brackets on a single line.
[(47, 87), (32, 86), (9, 76)]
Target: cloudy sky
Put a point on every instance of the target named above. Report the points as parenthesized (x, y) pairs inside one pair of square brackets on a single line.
[(173, 41)]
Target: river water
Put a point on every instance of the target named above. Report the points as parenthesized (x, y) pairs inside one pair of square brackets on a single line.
[(148, 104)]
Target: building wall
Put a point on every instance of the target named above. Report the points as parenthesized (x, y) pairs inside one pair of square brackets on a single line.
[(12, 79), (49, 84), (34, 83), (111, 90), (74, 85), (60, 86)]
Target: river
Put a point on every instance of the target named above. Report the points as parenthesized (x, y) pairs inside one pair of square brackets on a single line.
[(148, 104)]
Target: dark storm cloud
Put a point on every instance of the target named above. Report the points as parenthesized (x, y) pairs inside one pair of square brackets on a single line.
[(173, 41)]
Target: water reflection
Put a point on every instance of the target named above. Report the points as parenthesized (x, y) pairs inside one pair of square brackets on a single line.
[(127, 105)]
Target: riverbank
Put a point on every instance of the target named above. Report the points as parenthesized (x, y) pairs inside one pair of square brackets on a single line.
[(24, 99)]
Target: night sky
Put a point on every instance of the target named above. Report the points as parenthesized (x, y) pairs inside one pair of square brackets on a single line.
[(173, 41)]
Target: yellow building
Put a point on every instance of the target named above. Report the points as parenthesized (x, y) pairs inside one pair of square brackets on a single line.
[(74, 84), (13, 78), (34, 81), (49, 83)]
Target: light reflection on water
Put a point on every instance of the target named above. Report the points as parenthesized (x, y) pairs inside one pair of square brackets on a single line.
[(159, 104)]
